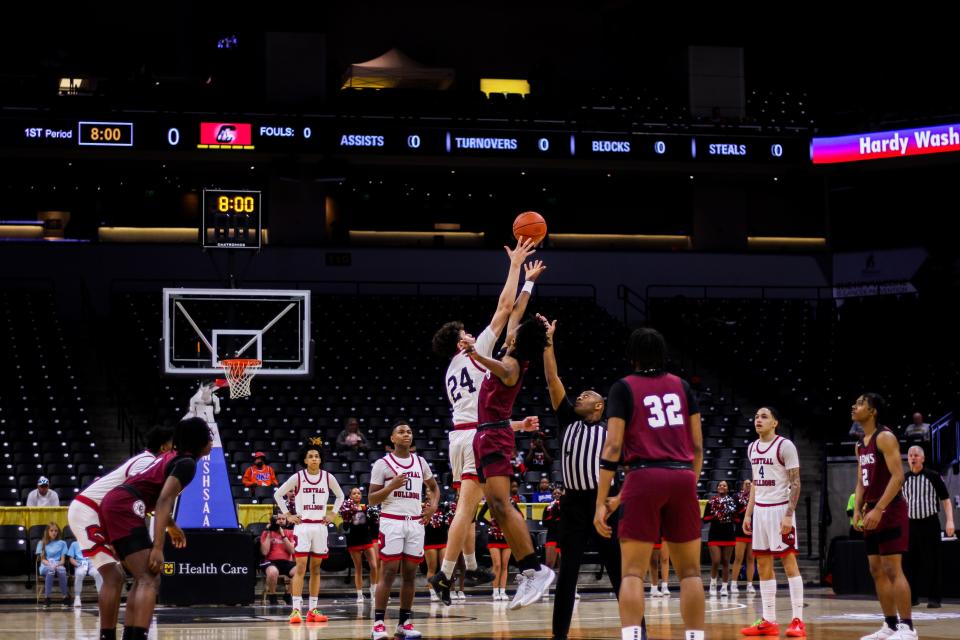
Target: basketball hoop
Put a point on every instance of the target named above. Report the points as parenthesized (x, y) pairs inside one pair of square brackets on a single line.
[(239, 372)]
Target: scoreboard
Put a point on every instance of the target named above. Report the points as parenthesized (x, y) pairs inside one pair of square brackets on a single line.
[(330, 136), (231, 219)]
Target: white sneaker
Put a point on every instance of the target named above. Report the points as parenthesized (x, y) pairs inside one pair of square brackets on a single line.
[(733, 587), (433, 596), (885, 633), (750, 590), (723, 590), (406, 631), (461, 595), (503, 595), (576, 595), (541, 581), (665, 590), (76, 601), (523, 585), (654, 592), (360, 598), (713, 590), (379, 632), (904, 632)]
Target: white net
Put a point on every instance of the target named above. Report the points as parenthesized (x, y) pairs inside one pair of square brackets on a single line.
[(239, 372)]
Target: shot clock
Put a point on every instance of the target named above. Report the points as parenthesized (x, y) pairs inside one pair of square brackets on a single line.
[(231, 219)]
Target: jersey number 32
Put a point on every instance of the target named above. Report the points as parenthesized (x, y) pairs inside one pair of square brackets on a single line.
[(664, 411)]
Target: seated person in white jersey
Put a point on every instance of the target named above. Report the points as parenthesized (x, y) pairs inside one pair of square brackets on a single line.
[(462, 381), (397, 484), (312, 487)]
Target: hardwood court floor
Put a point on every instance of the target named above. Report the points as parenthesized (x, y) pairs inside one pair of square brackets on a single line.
[(828, 618)]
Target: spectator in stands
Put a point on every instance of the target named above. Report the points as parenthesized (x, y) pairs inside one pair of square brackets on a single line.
[(277, 546), (538, 458), (351, 437), (856, 431), (81, 567), (517, 462), (260, 474), (52, 552), (515, 492), (43, 495), (918, 430), (544, 491)]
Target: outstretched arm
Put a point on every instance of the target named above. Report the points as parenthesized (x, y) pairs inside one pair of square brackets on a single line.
[(506, 371), (532, 271), (518, 255), (550, 369)]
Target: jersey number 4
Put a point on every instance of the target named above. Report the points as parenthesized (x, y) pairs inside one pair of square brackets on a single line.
[(664, 411), (465, 382)]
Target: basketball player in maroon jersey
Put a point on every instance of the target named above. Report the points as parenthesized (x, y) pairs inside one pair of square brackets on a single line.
[(494, 443), (883, 509), (124, 511), (653, 420)]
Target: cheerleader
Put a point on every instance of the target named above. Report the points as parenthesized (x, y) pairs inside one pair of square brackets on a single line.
[(436, 537), (359, 523), (499, 553), (744, 549), (551, 519), (720, 512)]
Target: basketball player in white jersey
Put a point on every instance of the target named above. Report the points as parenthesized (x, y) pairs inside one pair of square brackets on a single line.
[(463, 378), (770, 519), (397, 483), (312, 486), (84, 518)]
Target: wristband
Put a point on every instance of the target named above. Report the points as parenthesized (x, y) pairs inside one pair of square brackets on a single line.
[(607, 465), (527, 287)]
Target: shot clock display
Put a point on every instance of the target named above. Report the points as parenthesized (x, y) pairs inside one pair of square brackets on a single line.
[(231, 219)]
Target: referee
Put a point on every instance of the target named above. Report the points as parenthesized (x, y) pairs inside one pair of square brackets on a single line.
[(925, 491), (584, 432)]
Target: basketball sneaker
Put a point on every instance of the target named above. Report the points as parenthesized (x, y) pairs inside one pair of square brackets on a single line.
[(379, 631), (406, 631), (723, 590), (295, 617), (315, 616), (904, 633), (761, 628), (750, 590), (478, 576), (440, 584), (654, 592), (531, 585), (797, 629), (884, 633), (665, 590)]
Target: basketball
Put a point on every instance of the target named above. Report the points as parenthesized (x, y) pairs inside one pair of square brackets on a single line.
[(530, 224)]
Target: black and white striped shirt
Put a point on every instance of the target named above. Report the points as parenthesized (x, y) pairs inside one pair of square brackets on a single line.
[(924, 492), (580, 449)]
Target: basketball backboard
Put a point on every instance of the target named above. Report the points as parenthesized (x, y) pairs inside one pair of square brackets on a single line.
[(203, 326)]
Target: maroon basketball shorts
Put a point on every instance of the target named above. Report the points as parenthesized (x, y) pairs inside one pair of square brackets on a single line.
[(492, 448), (892, 535), (124, 520), (658, 500)]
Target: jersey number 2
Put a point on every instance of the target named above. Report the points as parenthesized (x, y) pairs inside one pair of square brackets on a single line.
[(664, 411), (466, 382)]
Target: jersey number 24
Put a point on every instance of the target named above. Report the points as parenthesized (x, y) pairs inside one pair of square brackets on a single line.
[(465, 382)]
